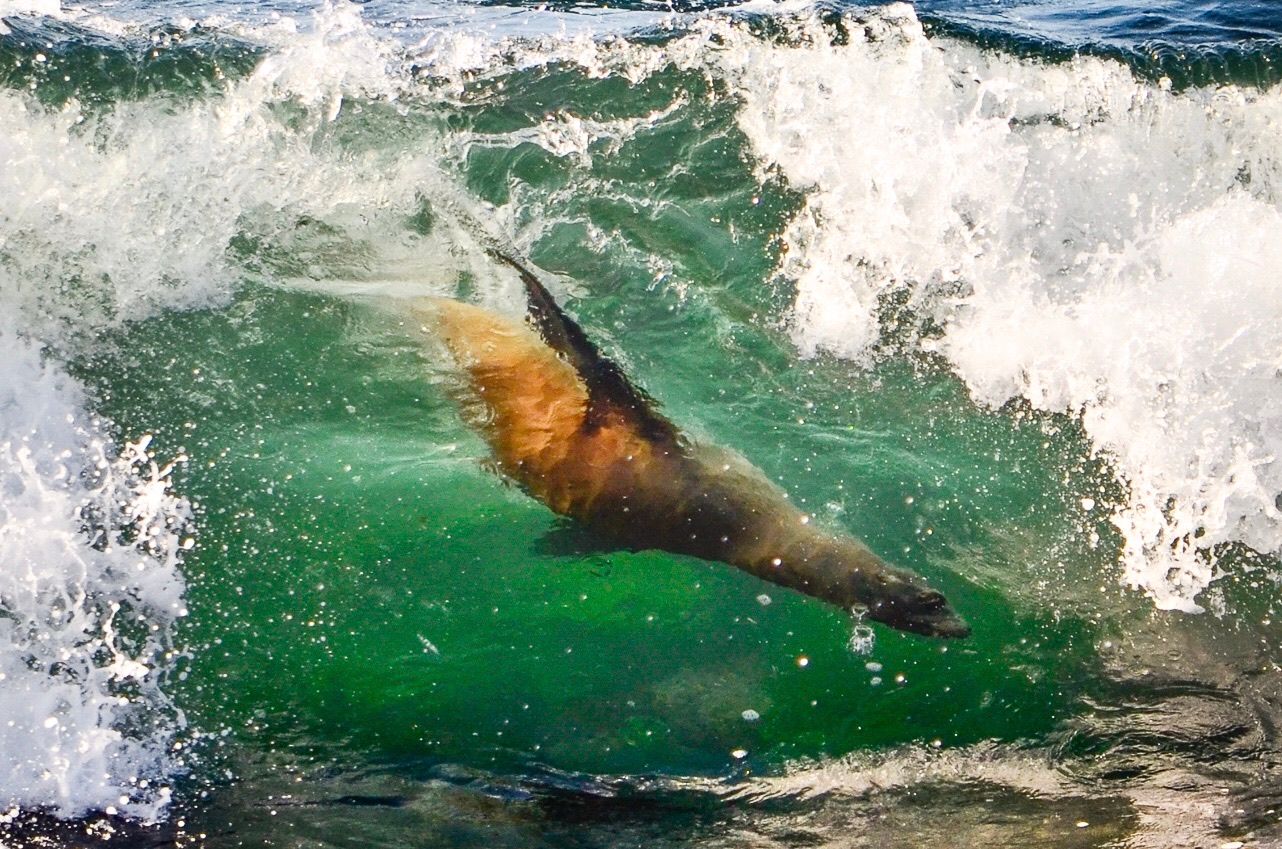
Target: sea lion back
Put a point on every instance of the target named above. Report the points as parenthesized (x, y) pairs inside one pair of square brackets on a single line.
[(567, 424), (532, 407)]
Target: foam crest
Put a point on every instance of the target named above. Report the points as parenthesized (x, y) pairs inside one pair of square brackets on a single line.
[(333, 55), (132, 210), (1088, 242), (1175, 370), (89, 593), (112, 215), (27, 7)]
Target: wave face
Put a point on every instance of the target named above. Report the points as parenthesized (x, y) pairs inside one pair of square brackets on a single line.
[(1081, 241), (91, 534), (1066, 234), (119, 205), (992, 293)]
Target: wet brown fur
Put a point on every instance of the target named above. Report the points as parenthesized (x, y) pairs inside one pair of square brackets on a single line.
[(532, 409), (628, 474)]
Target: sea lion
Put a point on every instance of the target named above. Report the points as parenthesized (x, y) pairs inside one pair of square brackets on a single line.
[(566, 424)]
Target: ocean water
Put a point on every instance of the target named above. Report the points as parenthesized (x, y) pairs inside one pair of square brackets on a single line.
[(990, 285)]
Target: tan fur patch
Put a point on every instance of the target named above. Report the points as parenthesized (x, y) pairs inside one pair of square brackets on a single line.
[(533, 405)]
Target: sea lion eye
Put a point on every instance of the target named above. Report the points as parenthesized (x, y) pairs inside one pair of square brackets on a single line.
[(931, 600)]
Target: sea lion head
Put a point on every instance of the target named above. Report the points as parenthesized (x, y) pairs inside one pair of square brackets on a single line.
[(861, 581), (899, 600)]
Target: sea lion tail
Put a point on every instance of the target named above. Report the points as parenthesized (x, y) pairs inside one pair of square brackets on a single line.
[(610, 393)]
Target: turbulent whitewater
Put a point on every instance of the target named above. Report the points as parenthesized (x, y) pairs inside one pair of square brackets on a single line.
[(1001, 305)]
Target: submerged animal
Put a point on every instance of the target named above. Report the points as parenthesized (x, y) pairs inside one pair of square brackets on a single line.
[(566, 424)]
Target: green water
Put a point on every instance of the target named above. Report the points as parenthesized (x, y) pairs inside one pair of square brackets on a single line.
[(388, 645), (364, 587), (361, 580)]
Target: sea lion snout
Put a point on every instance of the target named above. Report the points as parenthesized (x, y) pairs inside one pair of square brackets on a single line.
[(919, 610), (851, 576)]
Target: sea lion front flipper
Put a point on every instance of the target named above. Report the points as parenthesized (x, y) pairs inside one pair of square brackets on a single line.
[(610, 393), (574, 539)]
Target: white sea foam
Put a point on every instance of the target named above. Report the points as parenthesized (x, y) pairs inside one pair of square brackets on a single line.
[(1094, 244), (27, 7), (36, 7), (89, 591), (133, 211), (110, 216)]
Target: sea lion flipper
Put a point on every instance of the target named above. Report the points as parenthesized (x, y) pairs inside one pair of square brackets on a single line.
[(610, 393), (574, 539)]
